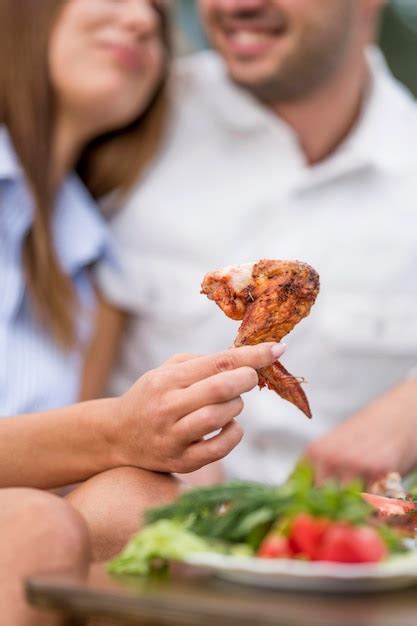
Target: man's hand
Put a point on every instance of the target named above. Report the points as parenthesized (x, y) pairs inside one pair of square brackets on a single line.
[(161, 422), (380, 438)]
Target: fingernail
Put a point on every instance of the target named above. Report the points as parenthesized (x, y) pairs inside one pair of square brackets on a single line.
[(278, 350)]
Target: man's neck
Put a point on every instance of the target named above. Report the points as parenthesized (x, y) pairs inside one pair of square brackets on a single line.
[(325, 119)]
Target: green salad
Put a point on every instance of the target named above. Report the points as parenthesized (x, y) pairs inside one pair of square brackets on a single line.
[(293, 520)]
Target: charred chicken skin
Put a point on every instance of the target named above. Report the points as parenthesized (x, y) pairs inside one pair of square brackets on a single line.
[(270, 297)]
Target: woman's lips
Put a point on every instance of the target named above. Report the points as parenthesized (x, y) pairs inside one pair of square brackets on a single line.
[(128, 56)]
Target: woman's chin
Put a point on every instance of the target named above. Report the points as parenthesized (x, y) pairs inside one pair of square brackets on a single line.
[(110, 109)]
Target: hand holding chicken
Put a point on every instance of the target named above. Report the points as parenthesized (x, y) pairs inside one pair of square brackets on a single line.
[(270, 297)]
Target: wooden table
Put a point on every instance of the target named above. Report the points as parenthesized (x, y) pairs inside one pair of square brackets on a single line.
[(188, 599)]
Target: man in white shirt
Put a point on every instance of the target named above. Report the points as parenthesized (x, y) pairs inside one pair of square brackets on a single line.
[(291, 142)]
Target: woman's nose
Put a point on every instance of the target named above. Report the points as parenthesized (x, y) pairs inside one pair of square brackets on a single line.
[(140, 16)]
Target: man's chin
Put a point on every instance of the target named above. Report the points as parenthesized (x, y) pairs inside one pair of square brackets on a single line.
[(252, 72), (272, 87), (253, 81)]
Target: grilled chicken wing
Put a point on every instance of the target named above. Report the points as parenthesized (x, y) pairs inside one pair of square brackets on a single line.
[(270, 297)]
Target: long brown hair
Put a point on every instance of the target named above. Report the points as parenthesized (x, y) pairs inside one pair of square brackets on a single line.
[(112, 161)]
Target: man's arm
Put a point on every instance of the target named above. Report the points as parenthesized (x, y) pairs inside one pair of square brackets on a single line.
[(380, 438)]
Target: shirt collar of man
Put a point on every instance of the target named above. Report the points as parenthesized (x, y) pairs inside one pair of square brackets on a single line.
[(79, 231), (384, 132), (372, 143)]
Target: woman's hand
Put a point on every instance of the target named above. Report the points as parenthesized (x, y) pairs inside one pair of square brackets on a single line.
[(162, 421), (159, 424)]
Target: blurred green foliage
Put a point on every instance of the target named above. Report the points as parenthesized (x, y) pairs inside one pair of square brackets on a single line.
[(399, 40)]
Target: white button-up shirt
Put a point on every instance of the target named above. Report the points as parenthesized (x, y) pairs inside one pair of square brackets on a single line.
[(232, 185)]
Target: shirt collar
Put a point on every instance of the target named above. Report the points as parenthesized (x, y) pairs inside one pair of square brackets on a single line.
[(80, 232), (384, 137), (241, 114), (234, 106), (386, 133)]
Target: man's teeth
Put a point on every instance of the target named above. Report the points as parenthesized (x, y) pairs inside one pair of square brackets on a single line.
[(247, 38)]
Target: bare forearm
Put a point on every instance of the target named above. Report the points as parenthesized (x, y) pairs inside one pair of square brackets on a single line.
[(59, 447), (395, 402), (160, 424)]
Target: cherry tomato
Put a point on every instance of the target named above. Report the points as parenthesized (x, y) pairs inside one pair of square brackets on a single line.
[(274, 547), (307, 533), (344, 543)]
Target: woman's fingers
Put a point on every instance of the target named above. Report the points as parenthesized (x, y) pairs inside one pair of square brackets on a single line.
[(174, 406), (214, 449), (182, 357), (255, 357), (207, 420), (215, 390)]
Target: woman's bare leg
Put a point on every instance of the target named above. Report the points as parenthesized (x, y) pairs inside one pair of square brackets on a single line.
[(39, 532), (113, 503)]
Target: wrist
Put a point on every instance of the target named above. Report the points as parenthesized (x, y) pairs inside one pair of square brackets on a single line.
[(110, 427)]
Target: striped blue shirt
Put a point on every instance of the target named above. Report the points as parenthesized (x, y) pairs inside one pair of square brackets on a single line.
[(35, 373)]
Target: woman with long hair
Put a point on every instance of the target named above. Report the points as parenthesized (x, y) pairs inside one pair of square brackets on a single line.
[(82, 97)]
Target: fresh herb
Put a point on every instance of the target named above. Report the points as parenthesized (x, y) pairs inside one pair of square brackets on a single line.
[(235, 511), (244, 512), (393, 542), (235, 518), (410, 483)]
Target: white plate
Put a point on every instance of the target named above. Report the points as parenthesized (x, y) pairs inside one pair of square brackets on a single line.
[(327, 577)]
